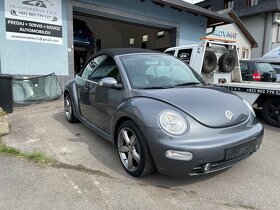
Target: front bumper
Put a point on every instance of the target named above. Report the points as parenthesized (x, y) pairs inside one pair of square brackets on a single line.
[(208, 145), (223, 164)]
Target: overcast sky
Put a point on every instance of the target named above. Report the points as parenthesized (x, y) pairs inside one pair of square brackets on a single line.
[(193, 1)]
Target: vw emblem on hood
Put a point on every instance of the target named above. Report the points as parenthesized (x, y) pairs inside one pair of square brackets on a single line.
[(229, 115)]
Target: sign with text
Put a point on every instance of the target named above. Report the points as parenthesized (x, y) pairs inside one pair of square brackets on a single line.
[(253, 90), (34, 20), (225, 34)]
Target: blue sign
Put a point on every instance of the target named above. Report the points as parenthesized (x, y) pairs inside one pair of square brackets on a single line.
[(224, 33)]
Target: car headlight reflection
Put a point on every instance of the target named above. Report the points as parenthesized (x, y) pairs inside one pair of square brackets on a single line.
[(172, 122), (249, 106)]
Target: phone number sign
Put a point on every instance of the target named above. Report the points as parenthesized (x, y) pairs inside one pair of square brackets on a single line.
[(34, 20), (255, 90)]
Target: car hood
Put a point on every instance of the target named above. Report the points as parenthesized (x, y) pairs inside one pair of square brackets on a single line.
[(209, 105)]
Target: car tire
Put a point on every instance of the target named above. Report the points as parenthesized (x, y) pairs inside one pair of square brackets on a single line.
[(271, 111), (209, 62), (68, 109), (133, 150), (226, 62)]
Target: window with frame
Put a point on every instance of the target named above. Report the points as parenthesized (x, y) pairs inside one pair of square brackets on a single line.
[(92, 65), (237, 50), (160, 34), (250, 3), (101, 67), (275, 32), (132, 41), (245, 53), (228, 4), (185, 55), (278, 34)]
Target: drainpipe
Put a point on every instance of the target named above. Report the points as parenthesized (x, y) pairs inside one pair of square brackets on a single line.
[(264, 32), (0, 64)]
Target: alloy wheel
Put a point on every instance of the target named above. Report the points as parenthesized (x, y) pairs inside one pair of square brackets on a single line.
[(68, 108), (129, 149)]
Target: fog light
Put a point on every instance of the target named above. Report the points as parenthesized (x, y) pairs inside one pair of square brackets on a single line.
[(179, 155), (206, 167)]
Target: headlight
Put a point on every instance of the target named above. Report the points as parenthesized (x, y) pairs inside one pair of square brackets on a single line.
[(249, 106), (172, 122)]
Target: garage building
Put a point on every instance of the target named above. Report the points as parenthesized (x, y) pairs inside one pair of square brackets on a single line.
[(41, 37)]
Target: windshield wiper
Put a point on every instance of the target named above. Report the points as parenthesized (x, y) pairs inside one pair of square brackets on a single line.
[(158, 87), (188, 84)]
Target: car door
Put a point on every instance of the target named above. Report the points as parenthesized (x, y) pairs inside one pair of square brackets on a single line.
[(84, 85), (100, 102)]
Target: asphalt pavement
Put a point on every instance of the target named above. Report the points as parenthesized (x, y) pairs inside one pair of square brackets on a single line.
[(98, 181)]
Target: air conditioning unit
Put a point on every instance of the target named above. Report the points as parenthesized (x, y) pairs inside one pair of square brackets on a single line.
[(276, 17)]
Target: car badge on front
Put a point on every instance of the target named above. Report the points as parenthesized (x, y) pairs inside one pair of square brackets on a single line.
[(229, 115)]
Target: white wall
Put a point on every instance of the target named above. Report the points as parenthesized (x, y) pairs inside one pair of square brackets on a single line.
[(238, 36), (255, 25)]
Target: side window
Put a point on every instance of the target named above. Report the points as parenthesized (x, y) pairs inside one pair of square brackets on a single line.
[(244, 68), (185, 55), (100, 67), (245, 53), (106, 68), (170, 52), (92, 65)]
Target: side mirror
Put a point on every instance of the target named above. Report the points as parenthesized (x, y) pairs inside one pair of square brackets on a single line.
[(110, 82)]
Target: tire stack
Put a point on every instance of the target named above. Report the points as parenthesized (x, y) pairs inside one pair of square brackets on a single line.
[(225, 63)]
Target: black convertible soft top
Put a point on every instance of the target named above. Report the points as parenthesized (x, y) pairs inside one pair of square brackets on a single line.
[(122, 51), (119, 51)]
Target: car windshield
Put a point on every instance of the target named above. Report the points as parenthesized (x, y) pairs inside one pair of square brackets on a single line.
[(36, 89), (152, 71), (264, 67)]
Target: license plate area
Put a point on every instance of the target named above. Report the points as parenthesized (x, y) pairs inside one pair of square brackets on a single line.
[(239, 150)]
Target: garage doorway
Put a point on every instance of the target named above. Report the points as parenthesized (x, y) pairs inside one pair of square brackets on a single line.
[(92, 33)]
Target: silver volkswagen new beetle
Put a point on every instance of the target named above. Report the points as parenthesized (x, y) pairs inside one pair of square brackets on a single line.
[(161, 114)]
